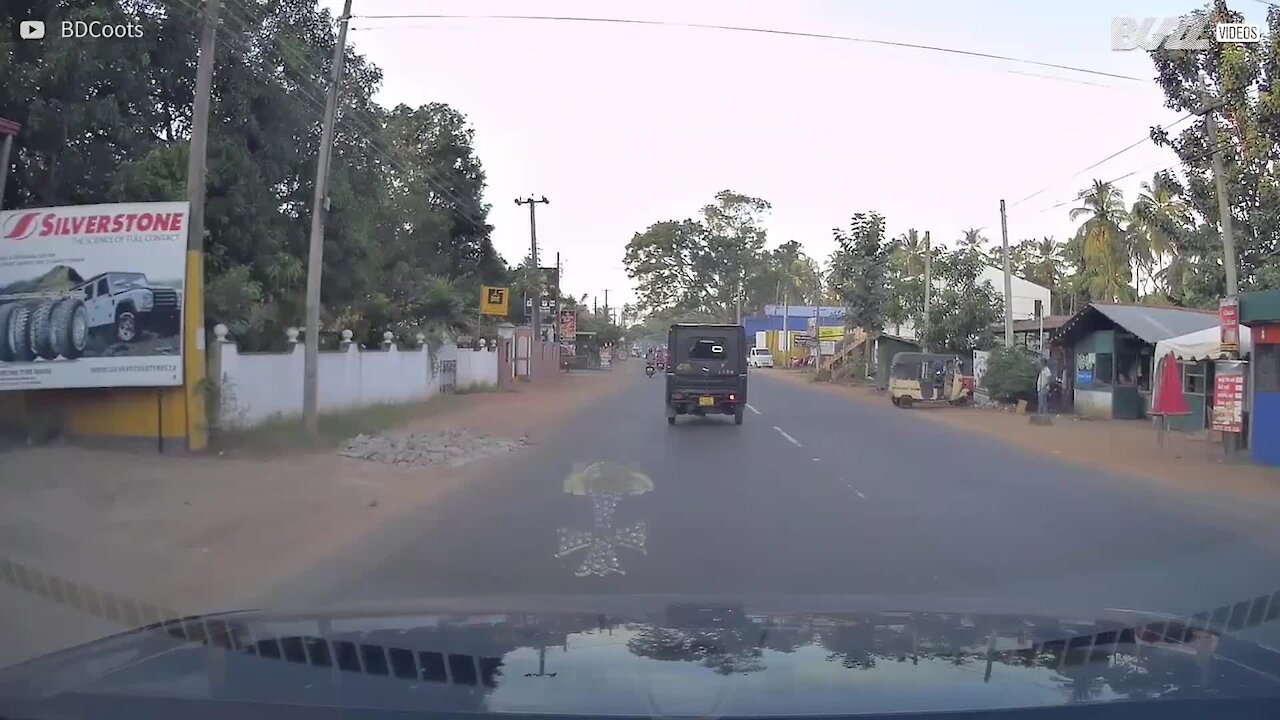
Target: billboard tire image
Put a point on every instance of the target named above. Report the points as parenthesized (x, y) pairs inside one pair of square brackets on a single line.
[(41, 337), (47, 329), (19, 333), (6, 355), (69, 328)]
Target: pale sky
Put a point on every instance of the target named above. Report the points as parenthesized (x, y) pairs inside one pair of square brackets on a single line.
[(622, 126)]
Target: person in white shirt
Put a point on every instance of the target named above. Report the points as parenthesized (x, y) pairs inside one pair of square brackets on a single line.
[(1042, 387)]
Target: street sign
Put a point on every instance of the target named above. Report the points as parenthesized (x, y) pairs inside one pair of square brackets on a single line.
[(1229, 321), (494, 300)]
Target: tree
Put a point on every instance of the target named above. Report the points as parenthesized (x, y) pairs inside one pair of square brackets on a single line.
[(735, 240), (964, 310), (972, 240), (1244, 78), (906, 279), (1160, 221), (712, 264), (1103, 244), (665, 261), (859, 274), (105, 121), (1044, 264)]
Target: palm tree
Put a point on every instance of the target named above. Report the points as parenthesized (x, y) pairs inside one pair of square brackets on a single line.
[(908, 253), (972, 240), (1160, 218), (443, 311), (1105, 250), (1044, 263)]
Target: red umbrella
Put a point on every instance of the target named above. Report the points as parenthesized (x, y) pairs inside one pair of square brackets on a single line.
[(1170, 399)]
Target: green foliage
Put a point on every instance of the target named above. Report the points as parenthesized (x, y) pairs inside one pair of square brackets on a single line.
[(962, 310), (1244, 78), (1011, 375), (711, 265), (859, 273), (106, 121)]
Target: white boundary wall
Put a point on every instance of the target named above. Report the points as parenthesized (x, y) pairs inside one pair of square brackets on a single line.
[(256, 387)]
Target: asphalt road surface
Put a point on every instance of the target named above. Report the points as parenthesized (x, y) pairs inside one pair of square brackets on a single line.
[(815, 494)]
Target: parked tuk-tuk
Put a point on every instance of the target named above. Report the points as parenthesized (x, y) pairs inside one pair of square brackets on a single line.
[(928, 378)]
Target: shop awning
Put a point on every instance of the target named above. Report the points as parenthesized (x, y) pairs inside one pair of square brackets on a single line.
[(1201, 344)]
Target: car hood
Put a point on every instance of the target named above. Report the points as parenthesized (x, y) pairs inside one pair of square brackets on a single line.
[(675, 659)]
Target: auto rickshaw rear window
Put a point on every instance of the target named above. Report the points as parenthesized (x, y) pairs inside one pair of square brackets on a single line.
[(707, 349)]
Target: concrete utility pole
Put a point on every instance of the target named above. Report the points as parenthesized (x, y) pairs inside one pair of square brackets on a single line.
[(1224, 203), (1008, 281), (606, 305), (928, 289), (315, 254), (555, 318), (1231, 441), (537, 275), (784, 344), (193, 360)]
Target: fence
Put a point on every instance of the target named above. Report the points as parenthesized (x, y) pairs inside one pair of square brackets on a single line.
[(255, 387)]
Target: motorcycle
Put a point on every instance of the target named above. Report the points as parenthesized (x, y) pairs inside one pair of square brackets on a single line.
[(648, 369)]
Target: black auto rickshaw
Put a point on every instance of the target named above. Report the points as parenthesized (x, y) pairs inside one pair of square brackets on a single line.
[(706, 371), (928, 378)]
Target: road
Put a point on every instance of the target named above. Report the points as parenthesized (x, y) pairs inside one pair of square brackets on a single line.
[(815, 494)]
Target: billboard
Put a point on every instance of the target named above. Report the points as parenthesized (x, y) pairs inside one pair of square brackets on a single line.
[(568, 332), (91, 296)]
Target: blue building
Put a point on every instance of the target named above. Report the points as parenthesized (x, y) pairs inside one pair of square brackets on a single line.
[(797, 319)]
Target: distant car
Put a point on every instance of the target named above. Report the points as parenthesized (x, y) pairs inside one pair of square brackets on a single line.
[(760, 358)]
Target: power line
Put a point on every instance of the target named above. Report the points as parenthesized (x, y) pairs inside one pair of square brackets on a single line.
[(1145, 139), (741, 29)]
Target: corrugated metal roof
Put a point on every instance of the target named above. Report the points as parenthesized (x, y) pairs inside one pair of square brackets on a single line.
[(1154, 324)]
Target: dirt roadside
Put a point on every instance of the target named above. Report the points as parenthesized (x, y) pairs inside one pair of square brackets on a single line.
[(191, 534), (1185, 463)]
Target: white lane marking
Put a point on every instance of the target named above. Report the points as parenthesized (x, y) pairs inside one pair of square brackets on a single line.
[(752, 408), (859, 492), (785, 435)]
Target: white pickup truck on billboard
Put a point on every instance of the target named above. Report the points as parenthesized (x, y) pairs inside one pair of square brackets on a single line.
[(91, 295)]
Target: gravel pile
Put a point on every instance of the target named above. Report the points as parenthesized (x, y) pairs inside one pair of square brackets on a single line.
[(449, 447)]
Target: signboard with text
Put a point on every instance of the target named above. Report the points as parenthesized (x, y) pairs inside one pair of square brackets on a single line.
[(494, 300), (91, 296), (568, 331), (1229, 321), (1228, 396)]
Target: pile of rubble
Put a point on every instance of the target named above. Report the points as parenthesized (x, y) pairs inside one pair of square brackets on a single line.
[(447, 447)]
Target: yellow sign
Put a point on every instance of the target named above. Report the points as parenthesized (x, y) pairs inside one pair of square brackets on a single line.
[(830, 333), (494, 300)]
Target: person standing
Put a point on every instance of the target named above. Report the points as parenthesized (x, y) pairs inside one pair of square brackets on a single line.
[(1043, 381)]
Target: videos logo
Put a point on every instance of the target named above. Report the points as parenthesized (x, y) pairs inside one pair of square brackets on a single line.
[(31, 30)]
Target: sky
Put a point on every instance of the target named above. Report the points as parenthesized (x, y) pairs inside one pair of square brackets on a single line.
[(621, 126)]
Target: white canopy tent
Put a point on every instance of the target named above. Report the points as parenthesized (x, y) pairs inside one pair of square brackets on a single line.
[(1201, 344)]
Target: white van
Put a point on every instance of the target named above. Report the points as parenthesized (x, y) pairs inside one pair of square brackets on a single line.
[(760, 357)]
